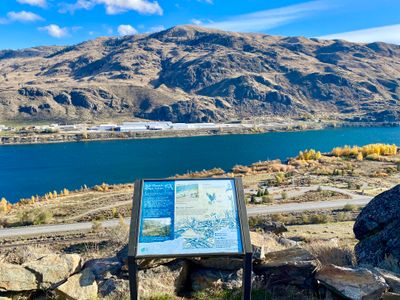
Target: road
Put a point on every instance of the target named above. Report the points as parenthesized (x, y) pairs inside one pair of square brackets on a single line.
[(251, 211)]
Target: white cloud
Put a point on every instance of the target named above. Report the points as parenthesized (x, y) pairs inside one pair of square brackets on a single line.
[(156, 28), (117, 6), (196, 21), (55, 30), (271, 18), (40, 3), (206, 1), (388, 34), (126, 30), (23, 16)]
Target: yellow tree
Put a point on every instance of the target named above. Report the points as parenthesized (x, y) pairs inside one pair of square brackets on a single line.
[(4, 205)]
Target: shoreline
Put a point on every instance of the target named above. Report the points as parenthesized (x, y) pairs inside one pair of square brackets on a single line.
[(70, 137)]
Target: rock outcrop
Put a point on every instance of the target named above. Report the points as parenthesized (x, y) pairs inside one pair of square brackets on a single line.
[(15, 278), (54, 269), (295, 266), (354, 284), (81, 286), (377, 228)]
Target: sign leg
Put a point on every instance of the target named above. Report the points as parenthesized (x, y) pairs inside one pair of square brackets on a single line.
[(133, 278), (247, 271)]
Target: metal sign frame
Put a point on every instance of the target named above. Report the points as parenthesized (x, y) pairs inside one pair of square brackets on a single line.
[(246, 254)]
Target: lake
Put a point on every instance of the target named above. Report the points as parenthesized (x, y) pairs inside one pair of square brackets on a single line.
[(27, 170)]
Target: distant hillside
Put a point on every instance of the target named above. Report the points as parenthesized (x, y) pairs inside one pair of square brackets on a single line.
[(193, 74)]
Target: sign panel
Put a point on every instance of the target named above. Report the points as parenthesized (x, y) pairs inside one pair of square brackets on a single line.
[(189, 217)]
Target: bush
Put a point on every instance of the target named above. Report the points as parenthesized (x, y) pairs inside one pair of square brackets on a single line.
[(284, 195), (329, 253), (27, 218), (43, 217), (97, 226), (267, 199), (349, 207), (320, 219)]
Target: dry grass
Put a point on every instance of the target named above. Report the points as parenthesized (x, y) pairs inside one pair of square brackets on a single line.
[(331, 252)]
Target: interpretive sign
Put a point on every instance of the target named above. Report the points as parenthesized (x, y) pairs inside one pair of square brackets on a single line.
[(188, 218)]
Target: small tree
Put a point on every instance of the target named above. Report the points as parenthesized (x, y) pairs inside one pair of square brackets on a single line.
[(360, 156)]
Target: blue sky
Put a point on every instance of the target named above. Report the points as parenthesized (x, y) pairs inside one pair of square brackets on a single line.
[(27, 23)]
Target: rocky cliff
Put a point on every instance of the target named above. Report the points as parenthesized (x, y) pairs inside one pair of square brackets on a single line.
[(193, 74)]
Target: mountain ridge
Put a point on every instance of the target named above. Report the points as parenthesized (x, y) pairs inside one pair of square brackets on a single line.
[(196, 74)]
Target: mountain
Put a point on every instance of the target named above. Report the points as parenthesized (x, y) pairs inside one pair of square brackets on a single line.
[(194, 74)]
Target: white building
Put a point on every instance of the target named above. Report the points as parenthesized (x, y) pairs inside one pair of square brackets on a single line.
[(180, 126), (201, 125), (3, 127)]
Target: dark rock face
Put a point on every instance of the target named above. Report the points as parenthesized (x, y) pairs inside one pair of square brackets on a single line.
[(294, 266), (378, 230)]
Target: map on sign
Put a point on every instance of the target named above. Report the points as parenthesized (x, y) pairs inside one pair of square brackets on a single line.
[(189, 217)]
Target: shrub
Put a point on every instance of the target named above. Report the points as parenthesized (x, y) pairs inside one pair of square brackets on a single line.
[(349, 207), (280, 178), (320, 219), (331, 253), (267, 199), (97, 226), (43, 217), (27, 218), (284, 195)]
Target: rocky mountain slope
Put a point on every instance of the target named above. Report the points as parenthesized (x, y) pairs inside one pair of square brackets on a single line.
[(193, 74)]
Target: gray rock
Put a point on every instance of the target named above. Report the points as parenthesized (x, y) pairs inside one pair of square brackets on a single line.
[(392, 279), (15, 278), (391, 296), (54, 269), (102, 266), (165, 279), (294, 266), (114, 289), (219, 263), (81, 286), (203, 279), (355, 284), (272, 227), (377, 228)]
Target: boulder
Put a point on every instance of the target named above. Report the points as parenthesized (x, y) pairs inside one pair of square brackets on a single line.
[(102, 266), (114, 288), (219, 263), (22, 254), (392, 279), (147, 263), (377, 228), (258, 245), (272, 227), (203, 279), (391, 296), (54, 269), (15, 278), (355, 284), (81, 286), (165, 279), (294, 266)]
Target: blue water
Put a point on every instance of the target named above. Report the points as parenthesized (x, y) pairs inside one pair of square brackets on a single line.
[(27, 170)]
